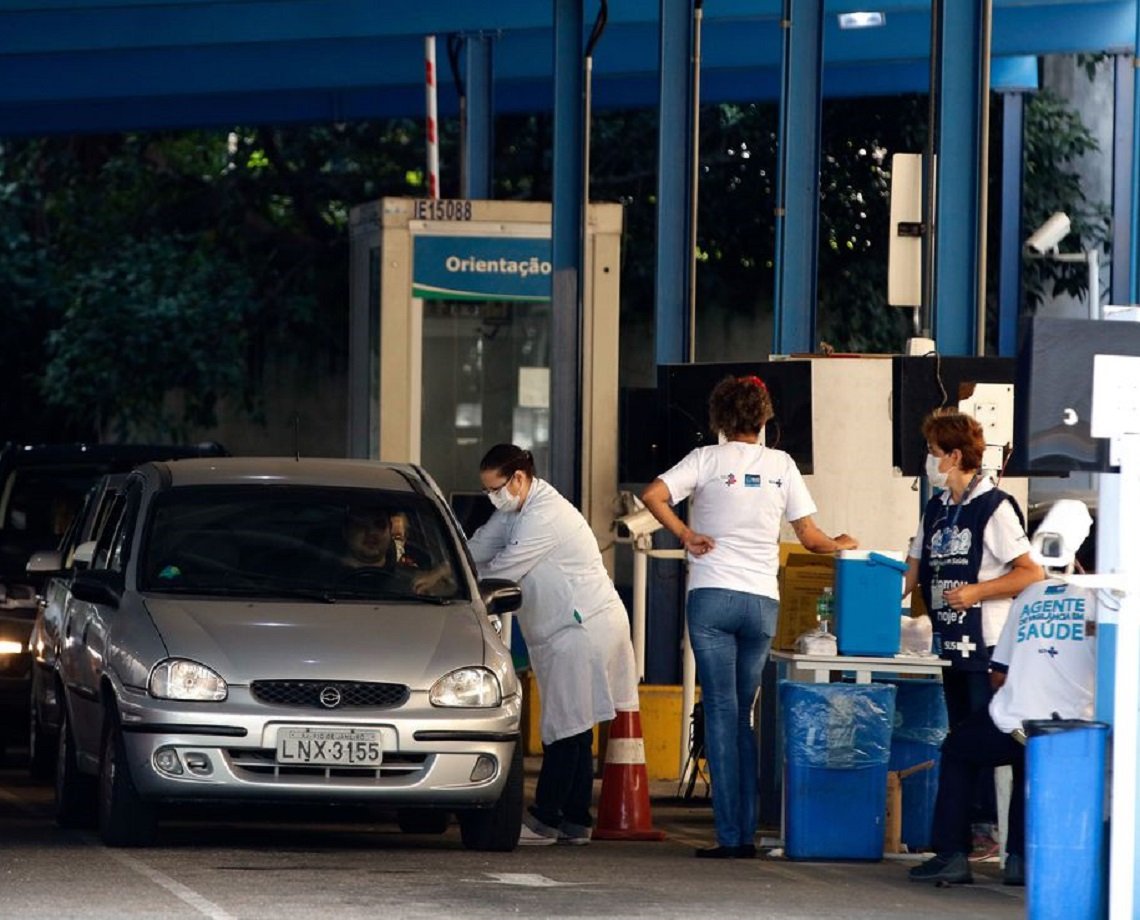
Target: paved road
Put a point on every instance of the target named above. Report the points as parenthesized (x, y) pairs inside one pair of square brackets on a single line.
[(350, 865)]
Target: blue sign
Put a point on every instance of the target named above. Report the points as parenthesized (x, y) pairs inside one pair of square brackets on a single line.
[(481, 268)]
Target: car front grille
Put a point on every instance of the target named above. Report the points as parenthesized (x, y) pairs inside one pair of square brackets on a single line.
[(260, 766), (329, 694)]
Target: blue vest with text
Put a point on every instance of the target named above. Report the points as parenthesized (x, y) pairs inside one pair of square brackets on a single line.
[(952, 556)]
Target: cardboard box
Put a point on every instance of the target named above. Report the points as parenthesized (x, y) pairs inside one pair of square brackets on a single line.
[(803, 576)]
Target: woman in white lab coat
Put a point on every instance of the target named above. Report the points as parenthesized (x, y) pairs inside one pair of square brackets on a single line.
[(565, 667), (535, 531)]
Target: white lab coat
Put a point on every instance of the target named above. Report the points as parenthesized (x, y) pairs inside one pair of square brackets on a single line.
[(561, 655), (549, 529)]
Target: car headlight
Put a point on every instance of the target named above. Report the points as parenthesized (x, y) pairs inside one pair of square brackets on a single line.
[(179, 679), (473, 687), (10, 647)]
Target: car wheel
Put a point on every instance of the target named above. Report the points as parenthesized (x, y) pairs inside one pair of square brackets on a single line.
[(42, 746), (74, 793), (497, 828), (125, 820), (423, 820)]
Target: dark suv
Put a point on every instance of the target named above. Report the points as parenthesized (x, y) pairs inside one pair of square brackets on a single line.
[(42, 487)]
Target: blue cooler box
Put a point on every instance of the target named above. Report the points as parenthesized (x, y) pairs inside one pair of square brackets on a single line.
[(868, 602), (837, 741)]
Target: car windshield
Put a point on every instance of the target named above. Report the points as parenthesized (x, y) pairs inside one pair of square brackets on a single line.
[(308, 543)]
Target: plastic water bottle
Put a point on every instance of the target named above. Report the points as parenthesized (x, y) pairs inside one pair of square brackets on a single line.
[(825, 609)]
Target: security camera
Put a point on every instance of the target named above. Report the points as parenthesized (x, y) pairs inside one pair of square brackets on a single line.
[(636, 526), (1046, 237), (1050, 546)]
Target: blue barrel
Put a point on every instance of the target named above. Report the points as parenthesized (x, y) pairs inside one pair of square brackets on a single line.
[(1065, 863), (920, 726), (837, 740)]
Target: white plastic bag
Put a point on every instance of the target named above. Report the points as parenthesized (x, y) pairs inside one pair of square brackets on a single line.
[(916, 636), (817, 642)]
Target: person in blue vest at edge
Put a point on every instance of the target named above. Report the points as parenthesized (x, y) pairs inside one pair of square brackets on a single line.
[(741, 489), (535, 531), (1044, 666), (970, 556)]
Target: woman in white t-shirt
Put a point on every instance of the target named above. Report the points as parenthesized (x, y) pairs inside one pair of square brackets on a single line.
[(741, 492)]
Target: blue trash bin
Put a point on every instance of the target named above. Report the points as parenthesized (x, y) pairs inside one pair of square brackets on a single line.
[(920, 725), (837, 740), (1064, 818)]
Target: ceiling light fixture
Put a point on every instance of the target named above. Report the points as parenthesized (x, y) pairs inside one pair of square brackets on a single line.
[(861, 20)]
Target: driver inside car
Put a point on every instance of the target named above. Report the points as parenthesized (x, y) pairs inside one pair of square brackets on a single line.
[(368, 539), (369, 542)]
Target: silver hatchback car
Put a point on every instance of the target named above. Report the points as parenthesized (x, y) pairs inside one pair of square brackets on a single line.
[(272, 630)]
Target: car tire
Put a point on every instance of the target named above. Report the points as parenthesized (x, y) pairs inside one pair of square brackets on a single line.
[(125, 820), (42, 746), (423, 820), (497, 828), (74, 792)]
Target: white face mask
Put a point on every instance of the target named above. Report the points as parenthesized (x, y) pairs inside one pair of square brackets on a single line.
[(503, 500), (933, 475)]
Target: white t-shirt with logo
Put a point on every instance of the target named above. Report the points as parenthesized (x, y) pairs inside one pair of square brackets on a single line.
[(741, 492), (1049, 654), (1003, 540)]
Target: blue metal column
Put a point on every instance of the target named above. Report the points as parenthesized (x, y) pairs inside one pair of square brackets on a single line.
[(674, 188), (1121, 177), (797, 185), (959, 57), (1134, 211), (479, 144), (566, 230), (1009, 261)]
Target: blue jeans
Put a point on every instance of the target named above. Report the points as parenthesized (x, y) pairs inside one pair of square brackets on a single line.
[(731, 633)]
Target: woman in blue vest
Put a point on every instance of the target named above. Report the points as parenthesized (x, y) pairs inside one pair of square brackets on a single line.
[(970, 557)]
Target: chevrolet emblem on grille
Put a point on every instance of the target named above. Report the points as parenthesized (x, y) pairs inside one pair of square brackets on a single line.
[(330, 697)]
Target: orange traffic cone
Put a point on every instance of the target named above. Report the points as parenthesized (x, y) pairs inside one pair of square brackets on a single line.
[(623, 809)]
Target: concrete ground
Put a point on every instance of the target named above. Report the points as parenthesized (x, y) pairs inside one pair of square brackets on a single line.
[(828, 888)]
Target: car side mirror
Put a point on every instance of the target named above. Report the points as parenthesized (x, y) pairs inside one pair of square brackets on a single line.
[(500, 595), (98, 587), (83, 554), (47, 562)]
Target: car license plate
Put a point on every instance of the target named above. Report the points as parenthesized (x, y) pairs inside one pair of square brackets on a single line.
[(330, 747)]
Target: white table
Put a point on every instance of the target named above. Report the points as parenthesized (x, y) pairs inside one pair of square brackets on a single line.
[(817, 669)]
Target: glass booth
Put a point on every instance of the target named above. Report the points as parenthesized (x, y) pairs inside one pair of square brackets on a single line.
[(450, 340)]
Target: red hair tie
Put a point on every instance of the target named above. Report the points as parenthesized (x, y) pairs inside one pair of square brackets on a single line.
[(754, 380)]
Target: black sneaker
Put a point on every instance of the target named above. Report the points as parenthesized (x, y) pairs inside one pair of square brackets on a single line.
[(952, 869), (717, 852), (1014, 871)]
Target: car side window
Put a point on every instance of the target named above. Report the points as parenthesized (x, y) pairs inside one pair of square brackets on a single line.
[(124, 528), (105, 540)]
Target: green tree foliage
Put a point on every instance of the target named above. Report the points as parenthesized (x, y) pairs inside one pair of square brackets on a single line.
[(156, 318), (1055, 140), (857, 141), (146, 277)]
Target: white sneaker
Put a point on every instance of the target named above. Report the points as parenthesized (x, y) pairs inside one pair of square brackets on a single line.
[(534, 833), (575, 835)]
